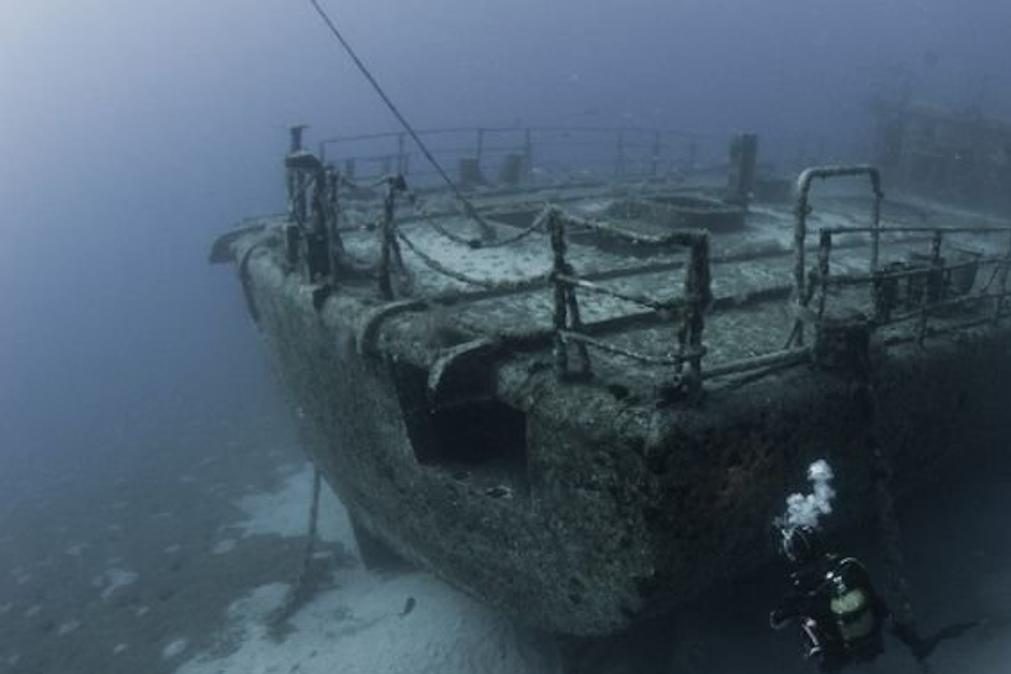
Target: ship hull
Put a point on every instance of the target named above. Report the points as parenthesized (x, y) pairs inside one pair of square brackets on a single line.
[(615, 512)]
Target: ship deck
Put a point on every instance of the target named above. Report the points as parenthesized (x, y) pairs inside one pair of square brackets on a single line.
[(751, 268), (580, 504)]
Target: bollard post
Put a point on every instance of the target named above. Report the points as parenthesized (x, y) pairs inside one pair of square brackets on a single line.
[(296, 132), (743, 162)]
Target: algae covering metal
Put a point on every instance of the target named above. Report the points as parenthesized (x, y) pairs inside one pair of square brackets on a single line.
[(433, 373)]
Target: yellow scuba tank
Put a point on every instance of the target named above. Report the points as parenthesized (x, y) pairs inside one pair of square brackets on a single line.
[(852, 601)]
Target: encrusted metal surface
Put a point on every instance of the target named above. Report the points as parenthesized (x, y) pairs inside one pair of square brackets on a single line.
[(581, 506)]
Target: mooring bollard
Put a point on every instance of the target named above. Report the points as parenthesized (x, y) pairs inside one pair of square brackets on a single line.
[(296, 132)]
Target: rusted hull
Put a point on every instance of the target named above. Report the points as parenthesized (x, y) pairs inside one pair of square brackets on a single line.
[(616, 510)]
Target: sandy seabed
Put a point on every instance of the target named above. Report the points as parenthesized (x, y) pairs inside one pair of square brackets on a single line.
[(358, 626), (178, 574), (361, 624)]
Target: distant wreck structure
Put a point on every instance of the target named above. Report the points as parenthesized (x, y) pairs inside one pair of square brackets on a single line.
[(958, 156), (577, 381)]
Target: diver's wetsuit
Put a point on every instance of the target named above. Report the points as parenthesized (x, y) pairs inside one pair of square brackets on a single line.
[(842, 616), (840, 613)]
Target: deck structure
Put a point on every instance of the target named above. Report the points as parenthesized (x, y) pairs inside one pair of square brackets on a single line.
[(583, 401)]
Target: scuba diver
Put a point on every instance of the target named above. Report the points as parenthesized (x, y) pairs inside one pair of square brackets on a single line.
[(841, 615)]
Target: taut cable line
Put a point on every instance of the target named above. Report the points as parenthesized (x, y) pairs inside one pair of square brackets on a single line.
[(486, 230)]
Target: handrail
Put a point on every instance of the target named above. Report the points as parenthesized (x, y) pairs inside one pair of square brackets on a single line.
[(934, 271), (380, 135), (915, 230), (641, 147), (803, 210), (568, 325), (313, 246)]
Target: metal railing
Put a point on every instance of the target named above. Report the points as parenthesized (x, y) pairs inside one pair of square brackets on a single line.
[(803, 209), (929, 284), (690, 308), (933, 284), (613, 151)]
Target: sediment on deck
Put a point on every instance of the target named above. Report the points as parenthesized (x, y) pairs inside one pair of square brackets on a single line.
[(583, 414)]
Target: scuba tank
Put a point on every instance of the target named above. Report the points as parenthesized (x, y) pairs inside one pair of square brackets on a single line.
[(856, 609)]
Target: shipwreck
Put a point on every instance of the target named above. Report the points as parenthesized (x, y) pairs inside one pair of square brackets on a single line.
[(580, 393)]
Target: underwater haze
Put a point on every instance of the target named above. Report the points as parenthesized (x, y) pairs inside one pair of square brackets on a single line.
[(153, 491)]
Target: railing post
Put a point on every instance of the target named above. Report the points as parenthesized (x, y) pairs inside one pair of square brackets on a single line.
[(698, 293), (557, 229), (333, 180), (693, 156), (301, 203), (528, 154), (401, 158), (656, 153), (619, 165), (318, 253), (998, 304), (290, 189), (876, 214), (349, 168), (824, 253), (566, 313), (799, 260), (932, 277), (576, 324), (802, 293), (479, 150), (388, 247), (297, 184)]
